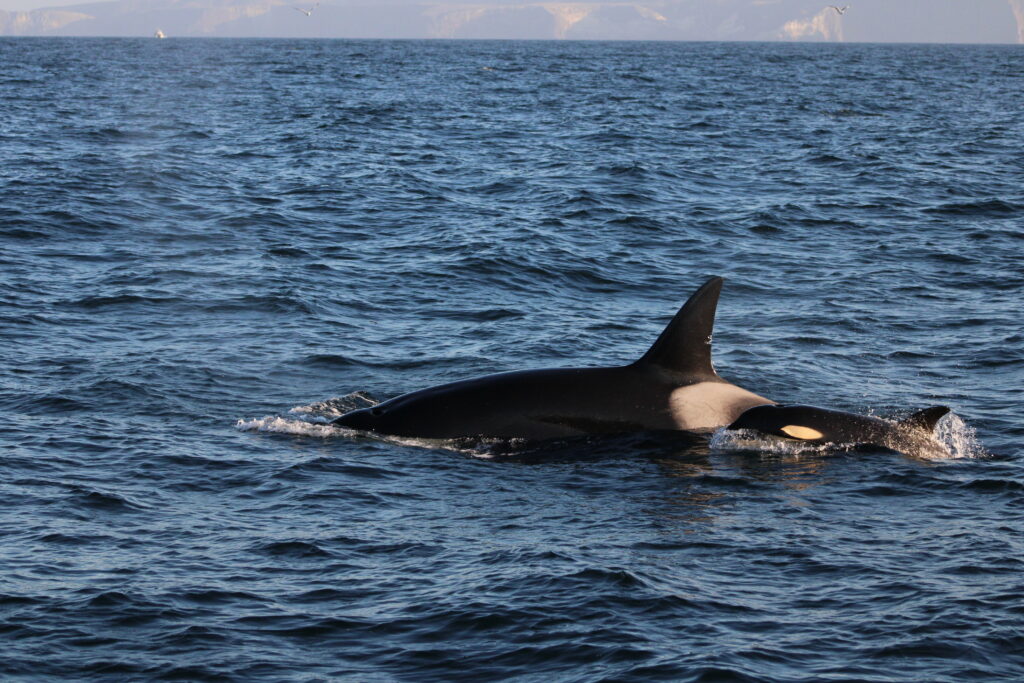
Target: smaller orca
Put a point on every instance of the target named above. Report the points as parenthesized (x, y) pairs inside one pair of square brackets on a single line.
[(914, 435)]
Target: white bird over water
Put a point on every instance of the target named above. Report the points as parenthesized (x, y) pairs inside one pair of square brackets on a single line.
[(841, 10), (307, 12)]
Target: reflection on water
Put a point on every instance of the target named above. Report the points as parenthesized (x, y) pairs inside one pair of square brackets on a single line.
[(705, 483)]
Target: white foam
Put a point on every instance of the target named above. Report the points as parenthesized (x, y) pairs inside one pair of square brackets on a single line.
[(313, 419), (284, 425)]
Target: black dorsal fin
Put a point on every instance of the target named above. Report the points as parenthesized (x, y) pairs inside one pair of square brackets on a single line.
[(685, 345), (925, 419)]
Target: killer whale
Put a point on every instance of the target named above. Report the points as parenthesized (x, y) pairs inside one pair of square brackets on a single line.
[(911, 436), (673, 386)]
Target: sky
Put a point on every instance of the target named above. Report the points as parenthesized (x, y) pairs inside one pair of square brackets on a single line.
[(999, 21), (22, 5)]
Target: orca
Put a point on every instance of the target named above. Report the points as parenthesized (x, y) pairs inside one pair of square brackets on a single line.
[(911, 436), (671, 387)]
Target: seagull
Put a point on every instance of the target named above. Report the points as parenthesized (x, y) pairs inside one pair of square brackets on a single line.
[(841, 10), (307, 12)]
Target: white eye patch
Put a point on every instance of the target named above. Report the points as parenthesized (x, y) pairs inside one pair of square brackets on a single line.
[(805, 433)]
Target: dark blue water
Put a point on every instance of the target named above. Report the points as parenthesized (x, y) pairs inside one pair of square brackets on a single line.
[(199, 236)]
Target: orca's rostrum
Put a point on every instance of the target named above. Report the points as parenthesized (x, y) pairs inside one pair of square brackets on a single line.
[(672, 387)]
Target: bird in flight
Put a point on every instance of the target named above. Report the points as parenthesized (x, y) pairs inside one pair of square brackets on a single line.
[(307, 12), (840, 10)]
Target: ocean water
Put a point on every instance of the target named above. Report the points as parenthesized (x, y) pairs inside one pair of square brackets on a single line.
[(208, 248)]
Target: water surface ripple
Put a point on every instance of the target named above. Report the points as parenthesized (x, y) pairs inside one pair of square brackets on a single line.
[(195, 233)]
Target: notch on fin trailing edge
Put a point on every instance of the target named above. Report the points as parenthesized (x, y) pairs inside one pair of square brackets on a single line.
[(685, 345), (926, 419)]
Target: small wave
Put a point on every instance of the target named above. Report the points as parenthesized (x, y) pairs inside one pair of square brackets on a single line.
[(111, 134), (21, 233), (214, 596), (333, 360), (648, 223), (289, 252), (845, 112), (63, 539), (99, 500), (606, 136), (112, 598), (98, 302), (987, 207), (273, 303), (190, 637), (245, 154), (294, 549), (193, 135), (634, 170), (479, 315), (54, 405)]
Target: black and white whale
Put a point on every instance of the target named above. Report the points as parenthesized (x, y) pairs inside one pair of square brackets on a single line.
[(914, 435), (672, 387)]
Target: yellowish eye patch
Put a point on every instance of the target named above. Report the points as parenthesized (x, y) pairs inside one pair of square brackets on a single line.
[(805, 433)]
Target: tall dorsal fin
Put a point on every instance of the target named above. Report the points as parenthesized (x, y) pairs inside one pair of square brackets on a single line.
[(925, 419), (685, 345)]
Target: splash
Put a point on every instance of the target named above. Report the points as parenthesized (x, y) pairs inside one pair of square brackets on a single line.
[(959, 438), (953, 439)]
